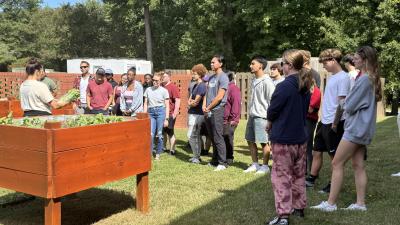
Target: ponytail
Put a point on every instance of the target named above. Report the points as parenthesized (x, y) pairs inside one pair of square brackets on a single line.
[(305, 80)]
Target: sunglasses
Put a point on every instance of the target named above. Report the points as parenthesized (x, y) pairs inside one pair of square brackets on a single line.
[(283, 63), (84, 67)]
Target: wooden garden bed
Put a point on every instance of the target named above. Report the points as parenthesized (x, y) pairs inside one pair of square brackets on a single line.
[(54, 162)]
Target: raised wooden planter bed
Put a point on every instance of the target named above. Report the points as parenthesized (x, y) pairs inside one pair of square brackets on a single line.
[(54, 162)]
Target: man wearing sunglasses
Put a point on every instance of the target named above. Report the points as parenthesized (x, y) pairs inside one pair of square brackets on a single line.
[(81, 82)]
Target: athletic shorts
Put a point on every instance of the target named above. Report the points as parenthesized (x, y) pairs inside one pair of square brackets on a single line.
[(327, 140), (255, 130), (171, 124)]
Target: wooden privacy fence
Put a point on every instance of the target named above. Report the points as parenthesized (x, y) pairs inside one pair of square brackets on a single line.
[(10, 83)]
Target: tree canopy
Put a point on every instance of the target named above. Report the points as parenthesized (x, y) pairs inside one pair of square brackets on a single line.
[(187, 32)]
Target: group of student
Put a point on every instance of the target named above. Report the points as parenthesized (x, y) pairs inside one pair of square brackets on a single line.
[(157, 96), (283, 114)]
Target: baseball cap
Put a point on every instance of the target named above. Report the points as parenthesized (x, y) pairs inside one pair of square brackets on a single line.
[(109, 71)]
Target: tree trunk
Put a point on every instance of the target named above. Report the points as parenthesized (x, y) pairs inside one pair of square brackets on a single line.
[(149, 46)]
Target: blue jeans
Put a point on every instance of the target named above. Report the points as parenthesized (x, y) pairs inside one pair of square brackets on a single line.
[(157, 117)]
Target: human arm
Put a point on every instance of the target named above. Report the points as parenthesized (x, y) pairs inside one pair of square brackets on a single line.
[(166, 102), (358, 98), (278, 101), (176, 109), (145, 105)]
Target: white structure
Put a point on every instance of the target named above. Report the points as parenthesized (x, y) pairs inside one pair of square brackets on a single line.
[(118, 66)]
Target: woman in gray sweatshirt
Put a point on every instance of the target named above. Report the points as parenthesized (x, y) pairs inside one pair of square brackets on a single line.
[(359, 128)]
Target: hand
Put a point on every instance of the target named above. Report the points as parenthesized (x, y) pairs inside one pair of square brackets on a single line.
[(174, 115), (90, 108), (165, 123), (206, 110), (268, 127), (233, 124), (105, 108), (334, 128)]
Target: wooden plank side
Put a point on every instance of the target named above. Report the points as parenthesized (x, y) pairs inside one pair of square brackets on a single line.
[(90, 177), (23, 137), (23, 160), (4, 108), (72, 138), (29, 183), (76, 160)]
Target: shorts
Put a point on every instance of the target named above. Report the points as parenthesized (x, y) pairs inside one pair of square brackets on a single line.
[(255, 130), (170, 129), (327, 140)]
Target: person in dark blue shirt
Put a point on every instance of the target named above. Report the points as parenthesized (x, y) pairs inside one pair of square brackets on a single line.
[(286, 125)]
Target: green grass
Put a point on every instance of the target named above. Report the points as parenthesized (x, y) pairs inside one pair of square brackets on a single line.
[(186, 194)]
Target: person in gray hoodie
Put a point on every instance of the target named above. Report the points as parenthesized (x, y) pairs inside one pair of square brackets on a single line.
[(262, 89), (359, 128)]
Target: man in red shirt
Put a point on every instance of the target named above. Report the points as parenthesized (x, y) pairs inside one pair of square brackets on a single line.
[(99, 94), (174, 104)]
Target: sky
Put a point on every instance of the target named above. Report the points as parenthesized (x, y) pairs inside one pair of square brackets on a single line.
[(57, 3)]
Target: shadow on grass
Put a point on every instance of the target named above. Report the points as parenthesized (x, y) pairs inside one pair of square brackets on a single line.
[(86, 208), (244, 205), (187, 153)]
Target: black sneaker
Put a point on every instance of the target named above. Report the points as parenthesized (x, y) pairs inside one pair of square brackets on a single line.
[(172, 152), (203, 152), (326, 189), (278, 221), (310, 182), (229, 161), (298, 212)]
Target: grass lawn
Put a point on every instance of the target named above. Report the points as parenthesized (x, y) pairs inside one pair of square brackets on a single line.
[(186, 194)]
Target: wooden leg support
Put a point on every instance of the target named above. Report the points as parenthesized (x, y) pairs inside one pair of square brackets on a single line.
[(52, 211), (142, 192)]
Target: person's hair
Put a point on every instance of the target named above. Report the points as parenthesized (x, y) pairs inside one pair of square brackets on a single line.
[(295, 57), (221, 59), (200, 69), (348, 59), (278, 67), (261, 60), (122, 75), (133, 69), (231, 75), (87, 63), (329, 54), (159, 74), (32, 65), (168, 72), (306, 56), (370, 56), (148, 75), (101, 72)]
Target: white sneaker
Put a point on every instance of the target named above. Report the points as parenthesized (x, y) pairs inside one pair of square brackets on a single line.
[(263, 169), (396, 174), (196, 161), (191, 159), (220, 167), (253, 168), (356, 207), (157, 157), (325, 206)]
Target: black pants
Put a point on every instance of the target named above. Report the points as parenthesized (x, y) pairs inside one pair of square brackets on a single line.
[(36, 113), (214, 125), (311, 124), (229, 133)]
